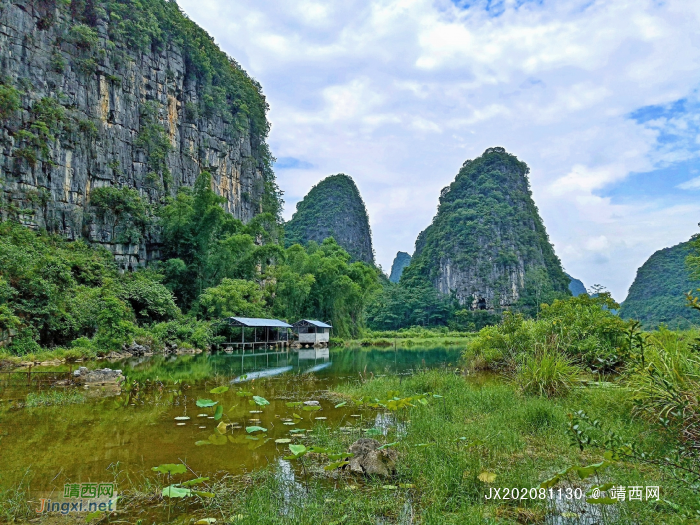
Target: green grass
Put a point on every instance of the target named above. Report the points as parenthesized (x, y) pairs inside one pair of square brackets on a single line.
[(53, 398), (475, 427)]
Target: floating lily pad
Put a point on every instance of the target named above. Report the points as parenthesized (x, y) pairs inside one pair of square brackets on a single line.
[(202, 426), (291, 423), (297, 430), (321, 417), (180, 424), (260, 401), (205, 403), (201, 443), (170, 468), (256, 411), (341, 404), (311, 408), (181, 418), (294, 404), (221, 427), (219, 390), (283, 440), (205, 521), (252, 429), (202, 415)]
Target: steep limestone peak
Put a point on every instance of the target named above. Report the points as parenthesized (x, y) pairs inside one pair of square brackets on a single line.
[(401, 260), (333, 208), (657, 295), (487, 243)]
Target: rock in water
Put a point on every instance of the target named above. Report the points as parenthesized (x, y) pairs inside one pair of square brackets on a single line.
[(487, 243), (113, 118), (657, 294), (333, 208), (401, 260), (106, 375), (369, 460)]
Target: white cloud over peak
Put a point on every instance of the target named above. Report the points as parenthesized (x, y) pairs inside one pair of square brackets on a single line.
[(399, 93)]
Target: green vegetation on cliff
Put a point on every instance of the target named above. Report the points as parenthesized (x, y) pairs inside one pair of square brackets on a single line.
[(333, 208), (657, 295), (487, 244)]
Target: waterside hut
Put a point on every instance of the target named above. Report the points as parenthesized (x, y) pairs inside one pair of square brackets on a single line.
[(311, 332), (250, 332)]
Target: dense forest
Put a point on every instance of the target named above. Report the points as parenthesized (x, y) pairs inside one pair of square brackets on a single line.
[(57, 292)]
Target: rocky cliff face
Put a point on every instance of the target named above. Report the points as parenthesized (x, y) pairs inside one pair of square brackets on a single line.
[(333, 208), (401, 260), (487, 244), (133, 98), (657, 295)]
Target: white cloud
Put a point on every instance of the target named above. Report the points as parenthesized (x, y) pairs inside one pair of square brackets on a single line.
[(692, 184), (398, 93)]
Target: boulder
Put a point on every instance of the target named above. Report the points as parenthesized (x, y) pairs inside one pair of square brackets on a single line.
[(105, 375), (136, 349), (370, 460)]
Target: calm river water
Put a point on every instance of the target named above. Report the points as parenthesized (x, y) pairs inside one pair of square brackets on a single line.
[(131, 430)]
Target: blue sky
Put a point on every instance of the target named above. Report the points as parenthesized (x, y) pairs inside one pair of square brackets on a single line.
[(600, 98)]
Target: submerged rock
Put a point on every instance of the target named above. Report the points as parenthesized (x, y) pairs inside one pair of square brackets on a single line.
[(368, 459)]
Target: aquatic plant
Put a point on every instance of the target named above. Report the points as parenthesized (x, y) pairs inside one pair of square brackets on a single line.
[(54, 397)]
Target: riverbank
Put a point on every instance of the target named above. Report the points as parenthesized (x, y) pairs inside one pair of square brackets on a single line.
[(467, 438), (410, 337)]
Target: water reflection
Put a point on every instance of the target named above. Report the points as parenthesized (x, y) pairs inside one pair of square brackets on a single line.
[(136, 429)]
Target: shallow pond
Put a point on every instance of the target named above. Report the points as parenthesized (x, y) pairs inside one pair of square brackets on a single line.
[(132, 430)]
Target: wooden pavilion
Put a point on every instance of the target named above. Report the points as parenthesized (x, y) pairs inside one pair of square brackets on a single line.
[(250, 332)]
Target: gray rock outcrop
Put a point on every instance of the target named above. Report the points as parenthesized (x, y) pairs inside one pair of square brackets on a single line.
[(370, 460), (105, 375)]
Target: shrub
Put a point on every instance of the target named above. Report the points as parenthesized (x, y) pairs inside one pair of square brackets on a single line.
[(9, 101), (546, 373), (83, 36), (666, 385), (582, 328)]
